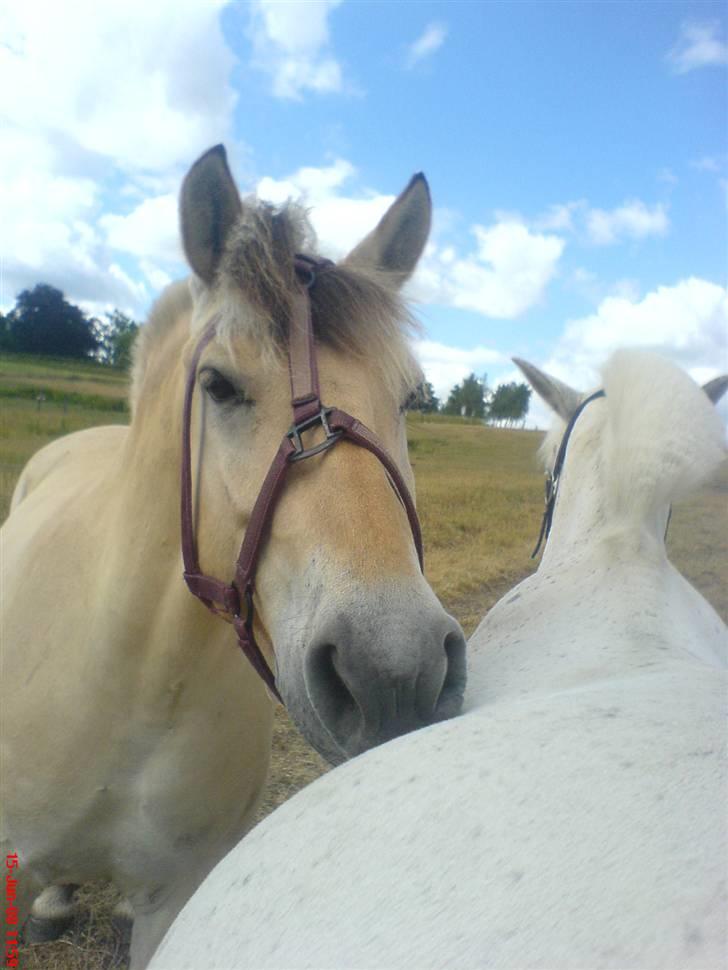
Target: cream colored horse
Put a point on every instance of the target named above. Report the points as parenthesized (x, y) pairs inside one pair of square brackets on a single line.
[(135, 735)]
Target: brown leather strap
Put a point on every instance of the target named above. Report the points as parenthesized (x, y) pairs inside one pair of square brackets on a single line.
[(235, 601)]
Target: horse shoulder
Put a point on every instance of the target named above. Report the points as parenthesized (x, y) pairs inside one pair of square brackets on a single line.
[(82, 449)]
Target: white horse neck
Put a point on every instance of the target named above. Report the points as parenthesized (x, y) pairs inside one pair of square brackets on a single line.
[(605, 601)]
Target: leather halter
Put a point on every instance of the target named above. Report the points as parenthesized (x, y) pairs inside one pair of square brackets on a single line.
[(553, 477), (235, 600)]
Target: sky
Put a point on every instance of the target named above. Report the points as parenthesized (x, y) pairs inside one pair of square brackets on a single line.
[(577, 155)]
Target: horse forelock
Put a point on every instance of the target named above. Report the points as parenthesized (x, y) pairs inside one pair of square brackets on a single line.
[(354, 309)]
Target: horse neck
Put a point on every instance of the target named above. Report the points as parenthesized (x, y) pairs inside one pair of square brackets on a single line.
[(587, 521), (147, 552)]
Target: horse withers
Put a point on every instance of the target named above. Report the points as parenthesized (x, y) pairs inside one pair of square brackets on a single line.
[(574, 815), (135, 736)]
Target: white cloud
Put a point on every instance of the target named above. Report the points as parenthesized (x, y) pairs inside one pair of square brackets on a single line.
[(699, 45), (631, 220), (708, 163), (291, 44), (144, 84), (430, 40), (446, 366), (559, 217), (136, 92), (507, 274), (150, 230), (687, 322)]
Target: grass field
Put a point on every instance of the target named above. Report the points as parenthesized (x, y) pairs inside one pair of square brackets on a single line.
[(479, 494)]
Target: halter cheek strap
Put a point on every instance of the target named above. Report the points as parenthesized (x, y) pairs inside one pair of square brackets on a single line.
[(235, 600), (553, 478)]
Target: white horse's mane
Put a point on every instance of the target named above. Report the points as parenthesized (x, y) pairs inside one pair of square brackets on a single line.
[(656, 436)]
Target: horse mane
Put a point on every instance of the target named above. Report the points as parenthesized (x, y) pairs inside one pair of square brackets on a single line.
[(663, 435), (354, 308), (656, 436)]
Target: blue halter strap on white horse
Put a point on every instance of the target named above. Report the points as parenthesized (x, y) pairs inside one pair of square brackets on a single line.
[(574, 816)]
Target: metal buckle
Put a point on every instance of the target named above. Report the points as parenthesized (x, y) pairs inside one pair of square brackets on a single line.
[(294, 435)]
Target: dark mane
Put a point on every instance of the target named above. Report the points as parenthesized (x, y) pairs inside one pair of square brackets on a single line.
[(355, 309), (351, 306)]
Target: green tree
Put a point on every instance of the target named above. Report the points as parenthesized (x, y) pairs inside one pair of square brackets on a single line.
[(467, 398), (44, 322), (510, 402), (116, 335), (6, 340)]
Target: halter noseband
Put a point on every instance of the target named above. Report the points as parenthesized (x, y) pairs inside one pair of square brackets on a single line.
[(235, 600), (553, 477)]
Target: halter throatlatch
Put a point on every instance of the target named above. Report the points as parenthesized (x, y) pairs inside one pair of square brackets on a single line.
[(553, 477), (235, 600)]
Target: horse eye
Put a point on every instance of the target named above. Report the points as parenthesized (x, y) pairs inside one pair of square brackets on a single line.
[(219, 388)]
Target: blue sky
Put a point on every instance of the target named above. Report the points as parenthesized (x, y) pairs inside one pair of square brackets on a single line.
[(577, 155)]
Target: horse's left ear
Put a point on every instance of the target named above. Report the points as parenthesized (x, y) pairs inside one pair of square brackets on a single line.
[(716, 388), (396, 244), (561, 398), (209, 206)]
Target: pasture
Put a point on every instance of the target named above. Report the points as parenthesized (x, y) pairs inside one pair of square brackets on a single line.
[(479, 495)]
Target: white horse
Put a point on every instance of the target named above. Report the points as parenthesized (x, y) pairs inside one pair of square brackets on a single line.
[(575, 815), (135, 736)]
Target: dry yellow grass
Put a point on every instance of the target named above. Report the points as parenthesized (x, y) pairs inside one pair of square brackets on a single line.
[(479, 493)]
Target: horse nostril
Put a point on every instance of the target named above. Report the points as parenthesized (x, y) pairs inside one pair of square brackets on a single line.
[(330, 694), (450, 700)]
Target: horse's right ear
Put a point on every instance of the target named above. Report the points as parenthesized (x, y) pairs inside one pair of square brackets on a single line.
[(397, 242), (561, 398), (209, 206), (716, 388)]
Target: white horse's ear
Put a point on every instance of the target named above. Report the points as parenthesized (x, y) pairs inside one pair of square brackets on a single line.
[(716, 388), (396, 244), (561, 398), (209, 205)]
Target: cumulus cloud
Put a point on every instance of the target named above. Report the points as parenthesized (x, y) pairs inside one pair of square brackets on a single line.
[(445, 366), (144, 84), (631, 220), (430, 40), (698, 45), (687, 322), (505, 275), (138, 90), (291, 44)]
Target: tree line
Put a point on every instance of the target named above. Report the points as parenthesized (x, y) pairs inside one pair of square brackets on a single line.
[(472, 398), (44, 322)]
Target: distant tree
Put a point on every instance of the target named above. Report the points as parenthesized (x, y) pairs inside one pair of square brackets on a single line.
[(467, 398), (44, 322), (6, 340), (116, 335), (509, 403)]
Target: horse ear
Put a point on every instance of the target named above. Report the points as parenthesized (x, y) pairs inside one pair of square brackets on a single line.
[(561, 398), (397, 242), (716, 388), (209, 205)]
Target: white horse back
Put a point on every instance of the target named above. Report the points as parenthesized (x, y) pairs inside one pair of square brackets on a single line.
[(538, 833)]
